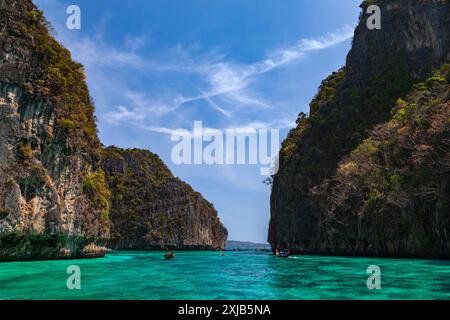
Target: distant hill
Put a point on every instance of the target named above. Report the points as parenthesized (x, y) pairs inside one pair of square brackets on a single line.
[(244, 245)]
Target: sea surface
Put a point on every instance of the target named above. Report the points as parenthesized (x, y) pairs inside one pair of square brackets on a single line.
[(237, 275)]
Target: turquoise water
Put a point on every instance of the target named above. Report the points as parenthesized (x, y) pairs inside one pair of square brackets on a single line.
[(237, 275)]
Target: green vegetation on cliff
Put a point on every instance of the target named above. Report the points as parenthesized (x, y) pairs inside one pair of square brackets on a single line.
[(24, 245), (96, 188), (150, 208), (49, 146), (53, 191), (399, 176), (62, 81), (349, 181)]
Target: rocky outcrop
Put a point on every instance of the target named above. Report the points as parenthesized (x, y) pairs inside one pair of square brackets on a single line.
[(54, 197), (151, 209), (48, 140), (349, 181)]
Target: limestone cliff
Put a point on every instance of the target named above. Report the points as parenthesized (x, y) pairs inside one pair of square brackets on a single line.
[(151, 209), (48, 142), (54, 197), (366, 173)]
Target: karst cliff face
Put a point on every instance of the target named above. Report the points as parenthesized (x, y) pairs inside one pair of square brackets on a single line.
[(55, 200), (367, 172), (151, 209), (48, 143)]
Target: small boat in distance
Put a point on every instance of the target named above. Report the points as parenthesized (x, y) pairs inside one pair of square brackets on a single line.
[(282, 253), (169, 255)]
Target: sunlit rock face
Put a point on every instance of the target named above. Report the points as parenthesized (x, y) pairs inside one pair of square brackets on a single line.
[(55, 197), (41, 187), (151, 209), (355, 176), (48, 141)]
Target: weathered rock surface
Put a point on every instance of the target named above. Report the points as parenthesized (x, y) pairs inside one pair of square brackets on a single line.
[(54, 198), (315, 206), (45, 156), (152, 209)]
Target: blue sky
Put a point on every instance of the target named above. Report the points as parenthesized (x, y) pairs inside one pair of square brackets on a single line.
[(154, 66)]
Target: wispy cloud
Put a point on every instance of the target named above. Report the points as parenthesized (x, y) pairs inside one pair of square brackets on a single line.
[(224, 86), (121, 113), (136, 43), (227, 83), (231, 80), (241, 128), (216, 106)]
